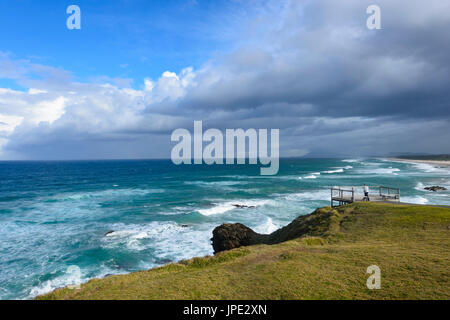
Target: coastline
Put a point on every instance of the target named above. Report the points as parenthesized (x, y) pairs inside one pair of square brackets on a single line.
[(133, 238), (307, 247), (430, 162)]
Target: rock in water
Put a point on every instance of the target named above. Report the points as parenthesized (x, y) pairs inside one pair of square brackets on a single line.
[(435, 188), (242, 206)]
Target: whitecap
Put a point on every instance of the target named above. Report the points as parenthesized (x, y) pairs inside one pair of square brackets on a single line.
[(414, 199), (428, 168), (312, 195), (109, 193), (220, 208), (72, 276), (215, 183), (217, 209), (266, 228), (167, 239), (334, 171), (419, 186), (389, 170), (351, 160)]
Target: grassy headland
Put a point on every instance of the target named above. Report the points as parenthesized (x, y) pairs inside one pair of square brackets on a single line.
[(411, 245)]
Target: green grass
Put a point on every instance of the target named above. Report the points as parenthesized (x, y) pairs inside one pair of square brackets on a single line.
[(411, 245)]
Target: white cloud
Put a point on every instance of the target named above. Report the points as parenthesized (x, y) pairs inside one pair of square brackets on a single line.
[(298, 66), (36, 91), (73, 110)]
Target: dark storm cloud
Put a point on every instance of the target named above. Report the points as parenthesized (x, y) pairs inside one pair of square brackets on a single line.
[(310, 68), (332, 61)]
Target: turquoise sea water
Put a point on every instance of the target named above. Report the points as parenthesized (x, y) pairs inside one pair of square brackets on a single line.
[(55, 216)]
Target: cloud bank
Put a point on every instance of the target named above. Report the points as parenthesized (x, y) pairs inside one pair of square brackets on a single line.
[(310, 68)]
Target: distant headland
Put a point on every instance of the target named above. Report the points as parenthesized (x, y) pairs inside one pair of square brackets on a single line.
[(439, 159)]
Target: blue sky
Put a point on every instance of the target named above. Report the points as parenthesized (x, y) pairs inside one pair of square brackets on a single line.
[(128, 38), (139, 69)]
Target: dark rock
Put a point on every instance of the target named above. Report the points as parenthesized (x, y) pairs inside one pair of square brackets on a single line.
[(242, 206), (110, 231), (230, 236), (184, 225), (435, 188)]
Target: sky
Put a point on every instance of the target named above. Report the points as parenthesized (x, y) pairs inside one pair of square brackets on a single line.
[(139, 69)]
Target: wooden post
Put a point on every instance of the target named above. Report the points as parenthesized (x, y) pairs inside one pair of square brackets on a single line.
[(331, 199)]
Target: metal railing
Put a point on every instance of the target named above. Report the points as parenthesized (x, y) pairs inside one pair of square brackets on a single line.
[(392, 193), (339, 195), (344, 195)]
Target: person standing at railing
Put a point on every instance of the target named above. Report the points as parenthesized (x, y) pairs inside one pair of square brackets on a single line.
[(366, 193)]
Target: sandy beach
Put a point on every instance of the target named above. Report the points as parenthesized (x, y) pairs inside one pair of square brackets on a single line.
[(431, 162)]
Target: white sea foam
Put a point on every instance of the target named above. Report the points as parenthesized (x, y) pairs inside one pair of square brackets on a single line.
[(167, 239), (351, 160), (419, 186), (334, 171), (428, 168), (69, 278), (220, 208), (414, 199), (381, 171), (310, 177), (214, 184), (109, 193), (50, 285), (217, 209), (312, 195), (266, 228)]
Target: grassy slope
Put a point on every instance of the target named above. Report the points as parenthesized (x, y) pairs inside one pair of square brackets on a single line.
[(411, 245)]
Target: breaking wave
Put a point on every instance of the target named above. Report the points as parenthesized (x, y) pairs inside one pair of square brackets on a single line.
[(266, 228), (414, 199), (221, 208)]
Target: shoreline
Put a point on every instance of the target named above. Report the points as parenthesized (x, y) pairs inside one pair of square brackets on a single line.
[(441, 163), (431, 162), (302, 245)]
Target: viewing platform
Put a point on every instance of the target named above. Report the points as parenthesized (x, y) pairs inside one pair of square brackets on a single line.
[(346, 195)]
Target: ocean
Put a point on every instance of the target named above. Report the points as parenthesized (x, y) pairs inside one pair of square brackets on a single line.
[(63, 223)]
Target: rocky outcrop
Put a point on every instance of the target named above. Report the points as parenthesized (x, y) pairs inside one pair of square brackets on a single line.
[(435, 188), (243, 206), (229, 236), (319, 223)]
